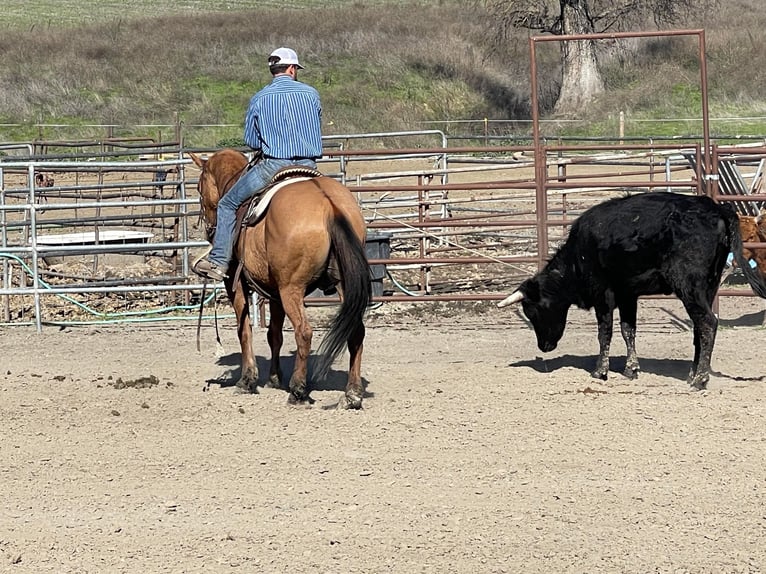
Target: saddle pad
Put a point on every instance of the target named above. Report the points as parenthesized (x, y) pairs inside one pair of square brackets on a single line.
[(258, 208)]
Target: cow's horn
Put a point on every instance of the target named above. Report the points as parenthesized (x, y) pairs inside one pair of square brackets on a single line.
[(514, 297)]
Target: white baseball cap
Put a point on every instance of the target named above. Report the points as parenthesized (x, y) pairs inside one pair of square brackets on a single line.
[(284, 56)]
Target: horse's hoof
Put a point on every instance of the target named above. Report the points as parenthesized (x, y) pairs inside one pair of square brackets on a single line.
[(299, 399), (630, 373), (350, 403), (699, 385), (245, 389), (597, 374), (273, 383)]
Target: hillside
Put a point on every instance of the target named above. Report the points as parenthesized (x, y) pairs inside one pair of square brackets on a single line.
[(379, 66)]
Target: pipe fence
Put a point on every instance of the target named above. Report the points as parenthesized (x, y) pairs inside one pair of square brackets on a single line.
[(107, 231)]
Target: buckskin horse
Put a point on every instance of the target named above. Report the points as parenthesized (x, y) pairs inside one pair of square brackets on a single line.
[(311, 235)]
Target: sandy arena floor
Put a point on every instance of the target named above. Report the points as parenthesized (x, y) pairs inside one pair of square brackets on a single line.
[(124, 449)]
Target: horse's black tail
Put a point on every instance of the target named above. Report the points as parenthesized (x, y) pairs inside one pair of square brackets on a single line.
[(356, 284), (753, 275)]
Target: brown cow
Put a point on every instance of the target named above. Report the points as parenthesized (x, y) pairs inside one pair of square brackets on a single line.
[(753, 230)]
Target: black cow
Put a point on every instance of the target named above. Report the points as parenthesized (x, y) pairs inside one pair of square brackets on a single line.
[(623, 248)]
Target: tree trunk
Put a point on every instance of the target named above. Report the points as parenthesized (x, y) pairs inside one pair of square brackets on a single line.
[(581, 80)]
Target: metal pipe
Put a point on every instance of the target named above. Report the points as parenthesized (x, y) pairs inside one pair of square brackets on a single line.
[(3, 244), (51, 290), (35, 249), (101, 204), (33, 242)]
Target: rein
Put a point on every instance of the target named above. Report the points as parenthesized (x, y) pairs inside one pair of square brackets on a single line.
[(215, 317), (199, 316), (257, 156)]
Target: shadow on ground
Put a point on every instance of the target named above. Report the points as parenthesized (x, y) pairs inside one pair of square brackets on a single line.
[(674, 368)]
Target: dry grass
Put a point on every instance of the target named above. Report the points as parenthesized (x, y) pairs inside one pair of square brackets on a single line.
[(380, 66)]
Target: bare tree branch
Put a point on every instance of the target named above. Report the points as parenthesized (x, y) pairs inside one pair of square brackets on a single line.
[(581, 77)]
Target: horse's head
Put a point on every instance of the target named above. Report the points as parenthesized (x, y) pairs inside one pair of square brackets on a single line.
[(219, 172), (208, 195)]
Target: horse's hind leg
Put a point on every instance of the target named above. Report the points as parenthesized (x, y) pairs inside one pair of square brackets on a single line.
[(292, 302), (354, 388), (275, 338)]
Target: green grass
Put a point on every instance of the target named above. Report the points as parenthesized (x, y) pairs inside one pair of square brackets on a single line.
[(228, 97)]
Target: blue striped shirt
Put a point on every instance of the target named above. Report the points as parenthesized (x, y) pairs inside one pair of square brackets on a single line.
[(284, 120)]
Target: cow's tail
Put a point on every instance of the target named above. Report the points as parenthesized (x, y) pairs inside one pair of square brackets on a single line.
[(753, 275), (356, 292)]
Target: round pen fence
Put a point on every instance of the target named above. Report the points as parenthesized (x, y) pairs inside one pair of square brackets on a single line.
[(107, 233)]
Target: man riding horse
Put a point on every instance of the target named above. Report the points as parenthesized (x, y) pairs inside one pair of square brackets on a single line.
[(283, 125)]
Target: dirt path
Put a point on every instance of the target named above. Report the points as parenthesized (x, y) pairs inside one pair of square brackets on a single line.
[(120, 453)]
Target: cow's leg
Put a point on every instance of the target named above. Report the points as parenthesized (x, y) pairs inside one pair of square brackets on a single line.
[(249, 376), (292, 302), (275, 339), (628, 309), (354, 387), (705, 327), (696, 359), (604, 316)]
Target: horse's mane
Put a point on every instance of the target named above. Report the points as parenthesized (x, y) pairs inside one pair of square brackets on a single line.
[(227, 166)]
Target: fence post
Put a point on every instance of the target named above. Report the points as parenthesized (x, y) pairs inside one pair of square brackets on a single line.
[(3, 243), (622, 127), (32, 242)]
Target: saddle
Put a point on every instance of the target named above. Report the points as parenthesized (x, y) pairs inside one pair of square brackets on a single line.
[(251, 211)]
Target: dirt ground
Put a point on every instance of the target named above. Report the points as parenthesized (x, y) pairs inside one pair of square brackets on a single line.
[(124, 449)]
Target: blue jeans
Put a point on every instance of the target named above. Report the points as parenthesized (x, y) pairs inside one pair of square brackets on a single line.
[(251, 183)]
